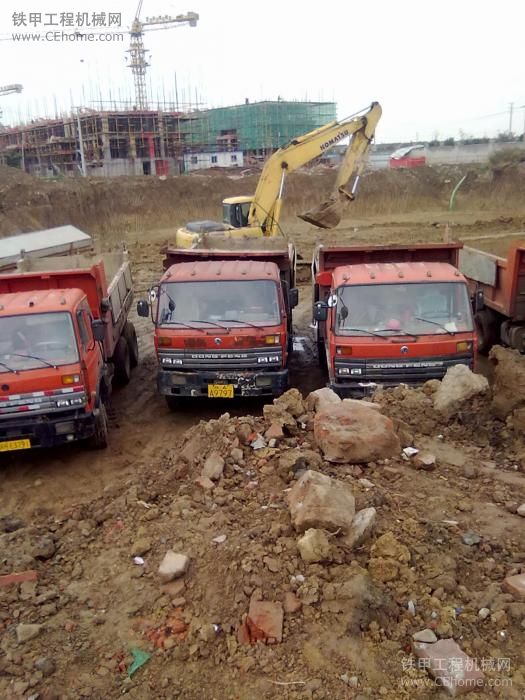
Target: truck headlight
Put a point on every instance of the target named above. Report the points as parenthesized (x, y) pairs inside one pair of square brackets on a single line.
[(271, 339), (63, 403), (262, 360), (274, 358), (343, 370)]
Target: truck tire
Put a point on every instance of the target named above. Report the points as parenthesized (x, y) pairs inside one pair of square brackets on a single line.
[(173, 403), (122, 362), (99, 440), (131, 337), (487, 330)]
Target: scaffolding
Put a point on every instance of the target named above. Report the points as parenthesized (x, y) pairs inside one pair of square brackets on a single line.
[(258, 128)]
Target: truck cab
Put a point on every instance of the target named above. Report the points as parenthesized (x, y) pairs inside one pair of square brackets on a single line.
[(223, 323), (50, 363), (391, 315)]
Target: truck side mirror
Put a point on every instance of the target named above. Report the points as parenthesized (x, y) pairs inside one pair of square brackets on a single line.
[(293, 297), (479, 300), (98, 328), (320, 311), (143, 308)]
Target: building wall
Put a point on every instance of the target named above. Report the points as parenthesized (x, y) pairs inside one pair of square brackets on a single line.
[(200, 161)]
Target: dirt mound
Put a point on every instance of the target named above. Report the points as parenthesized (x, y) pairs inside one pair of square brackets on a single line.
[(348, 620)]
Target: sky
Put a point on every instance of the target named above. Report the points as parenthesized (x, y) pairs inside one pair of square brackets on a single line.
[(439, 69)]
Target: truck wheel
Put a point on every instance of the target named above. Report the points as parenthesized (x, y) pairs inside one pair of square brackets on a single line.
[(99, 440), (487, 330), (131, 336), (173, 403), (122, 362)]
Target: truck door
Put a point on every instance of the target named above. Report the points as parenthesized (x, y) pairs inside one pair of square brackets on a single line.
[(91, 358)]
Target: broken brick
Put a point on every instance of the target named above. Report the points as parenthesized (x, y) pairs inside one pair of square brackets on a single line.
[(274, 432), (450, 666), (515, 585), (20, 577), (268, 618)]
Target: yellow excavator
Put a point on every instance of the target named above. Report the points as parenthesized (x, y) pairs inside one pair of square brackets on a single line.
[(258, 216)]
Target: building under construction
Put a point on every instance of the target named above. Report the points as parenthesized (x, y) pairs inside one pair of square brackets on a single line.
[(146, 142)]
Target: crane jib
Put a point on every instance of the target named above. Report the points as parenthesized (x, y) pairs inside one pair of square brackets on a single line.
[(334, 140)]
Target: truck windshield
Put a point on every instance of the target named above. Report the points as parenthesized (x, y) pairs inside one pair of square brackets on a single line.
[(245, 302), (36, 340), (403, 309)]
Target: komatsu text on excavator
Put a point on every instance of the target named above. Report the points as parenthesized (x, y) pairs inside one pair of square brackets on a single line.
[(258, 216)]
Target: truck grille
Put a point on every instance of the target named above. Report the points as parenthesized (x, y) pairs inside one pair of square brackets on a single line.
[(260, 359), (39, 402), (397, 371)]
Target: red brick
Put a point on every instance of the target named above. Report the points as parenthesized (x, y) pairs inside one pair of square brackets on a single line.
[(20, 577), (205, 483), (268, 618), (515, 585), (274, 432), (453, 670)]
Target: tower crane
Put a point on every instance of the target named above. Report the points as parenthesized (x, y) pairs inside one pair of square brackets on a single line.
[(137, 52)]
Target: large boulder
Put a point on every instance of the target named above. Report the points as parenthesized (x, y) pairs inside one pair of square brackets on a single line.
[(508, 390), (322, 400), (459, 385), (318, 501), (350, 433)]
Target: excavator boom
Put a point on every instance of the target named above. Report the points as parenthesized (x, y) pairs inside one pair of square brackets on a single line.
[(267, 203)]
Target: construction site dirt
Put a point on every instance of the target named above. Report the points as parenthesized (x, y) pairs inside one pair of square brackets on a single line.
[(95, 527)]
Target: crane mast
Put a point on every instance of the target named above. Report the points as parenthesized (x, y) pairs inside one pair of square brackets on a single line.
[(137, 52)]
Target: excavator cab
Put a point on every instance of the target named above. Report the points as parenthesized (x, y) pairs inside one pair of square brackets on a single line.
[(235, 211)]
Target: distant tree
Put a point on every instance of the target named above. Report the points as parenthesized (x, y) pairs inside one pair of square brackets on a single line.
[(505, 137), (451, 141), (434, 143)]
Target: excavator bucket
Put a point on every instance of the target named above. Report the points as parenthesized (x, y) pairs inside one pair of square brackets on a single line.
[(326, 215)]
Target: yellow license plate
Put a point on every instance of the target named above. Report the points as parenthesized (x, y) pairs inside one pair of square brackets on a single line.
[(220, 391), (15, 445)]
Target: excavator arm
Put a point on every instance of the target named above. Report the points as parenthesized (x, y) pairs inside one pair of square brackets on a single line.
[(266, 206)]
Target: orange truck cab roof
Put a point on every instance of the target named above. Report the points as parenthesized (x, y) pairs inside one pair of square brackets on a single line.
[(39, 301), (395, 273), (217, 270)]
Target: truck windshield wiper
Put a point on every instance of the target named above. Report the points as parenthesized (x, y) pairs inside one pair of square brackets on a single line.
[(34, 357), (237, 320), (364, 330), (9, 369), (397, 331), (435, 323), (212, 323), (180, 323)]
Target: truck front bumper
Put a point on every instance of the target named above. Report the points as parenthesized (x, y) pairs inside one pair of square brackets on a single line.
[(49, 430), (195, 384)]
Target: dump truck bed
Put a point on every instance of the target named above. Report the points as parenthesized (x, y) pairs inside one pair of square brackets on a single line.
[(61, 240)]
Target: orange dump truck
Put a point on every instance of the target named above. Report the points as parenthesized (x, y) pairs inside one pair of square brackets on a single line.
[(64, 336), (497, 286), (388, 315), (223, 321)]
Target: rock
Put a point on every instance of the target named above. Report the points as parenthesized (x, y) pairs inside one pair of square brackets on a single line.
[(204, 483), (388, 546), (469, 471), (349, 433), (314, 546), (173, 566), (515, 585), (272, 564), (361, 527), (268, 618), (244, 433), (426, 636), (404, 432), (521, 510), (363, 404), (274, 432), (471, 538), (237, 454), (140, 547), (11, 524), (322, 400), (318, 501), (45, 665), (25, 632), (44, 548), (459, 385), (483, 613), (425, 461), (213, 466), (457, 672), (383, 569), (291, 603), (291, 402), (192, 450), (295, 460), (508, 388), (511, 506)]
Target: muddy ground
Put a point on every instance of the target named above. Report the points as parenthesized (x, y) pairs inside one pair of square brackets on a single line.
[(59, 491)]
